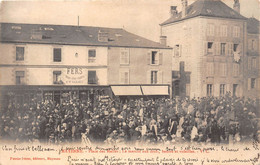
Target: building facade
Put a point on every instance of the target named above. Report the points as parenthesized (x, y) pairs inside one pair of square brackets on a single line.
[(209, 49), (63, 59), (252, 72)]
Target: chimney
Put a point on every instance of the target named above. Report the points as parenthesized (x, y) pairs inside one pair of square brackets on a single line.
[(173, 11), (184, 7), (236, 6), (102, 36), (163, 40)]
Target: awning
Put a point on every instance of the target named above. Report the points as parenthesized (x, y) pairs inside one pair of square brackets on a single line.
[(126, 90), (155, 90)]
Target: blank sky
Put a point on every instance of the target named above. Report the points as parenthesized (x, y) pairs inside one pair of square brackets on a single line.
[(141, 17)]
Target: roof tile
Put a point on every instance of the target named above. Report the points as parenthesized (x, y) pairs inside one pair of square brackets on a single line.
[(210, 8), (72, 35)]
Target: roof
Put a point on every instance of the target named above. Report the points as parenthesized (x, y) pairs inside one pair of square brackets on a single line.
[(73, 35), (209, 8), (252, 26)]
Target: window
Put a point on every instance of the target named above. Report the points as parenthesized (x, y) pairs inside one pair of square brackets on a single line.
[(210, 30), (222, 89), (223, 31), (124, 56), (57, 77), (235, 47), (19, 53), (124, 77), (91, 56), (92, 79), (154, 76), (210, 47), (155, 58), (222, 48), (235, 89), (254, 47), (253, 83), (223, 69), (249, 64), (235, 69), (209, 89), (177, 51), (236, 31), (210, 69), (16, 27), (19, 77), (57, 55), (254, 63)]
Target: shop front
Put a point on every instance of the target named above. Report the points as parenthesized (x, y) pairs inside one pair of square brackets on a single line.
[(57, 94), (125, 92)]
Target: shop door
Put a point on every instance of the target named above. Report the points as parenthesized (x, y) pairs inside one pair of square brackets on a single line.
[(56, 98), (235, 88)]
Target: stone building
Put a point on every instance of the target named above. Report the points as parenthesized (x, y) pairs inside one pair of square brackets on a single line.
[(77, 61), (210, 50)]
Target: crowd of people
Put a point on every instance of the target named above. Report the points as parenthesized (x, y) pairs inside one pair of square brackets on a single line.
[(135, 121)]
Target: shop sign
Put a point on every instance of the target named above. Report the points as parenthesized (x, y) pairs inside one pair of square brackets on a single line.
[(75, 76)]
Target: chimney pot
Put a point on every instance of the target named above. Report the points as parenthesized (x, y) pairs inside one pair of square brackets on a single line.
[(184, 7), (102, 36), (236, 6), (173, 10), (163, 40)]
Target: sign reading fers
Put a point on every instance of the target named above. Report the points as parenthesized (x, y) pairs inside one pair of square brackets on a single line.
[(75, 76)]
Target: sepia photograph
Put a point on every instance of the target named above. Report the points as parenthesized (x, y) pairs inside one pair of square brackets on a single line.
[(127, 82)]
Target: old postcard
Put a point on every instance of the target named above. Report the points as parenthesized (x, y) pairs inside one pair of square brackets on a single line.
[(127, 82)]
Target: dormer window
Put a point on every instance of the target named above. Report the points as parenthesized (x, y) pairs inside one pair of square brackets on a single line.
[(16, 27)]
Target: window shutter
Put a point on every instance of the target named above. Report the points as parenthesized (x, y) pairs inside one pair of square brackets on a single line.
[(160, 77), (128, 56), (234, 31), (160, 58), (225, 69), (216, 89), (228, 89), (226, 49), (149, 57), (231, 48), (180, 50), (217, 30), (249, 63), (238, 31), (214, 48), (208, 30), (218, 48), (148, 77), (205, 48), (248, 84), (213, 30)]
